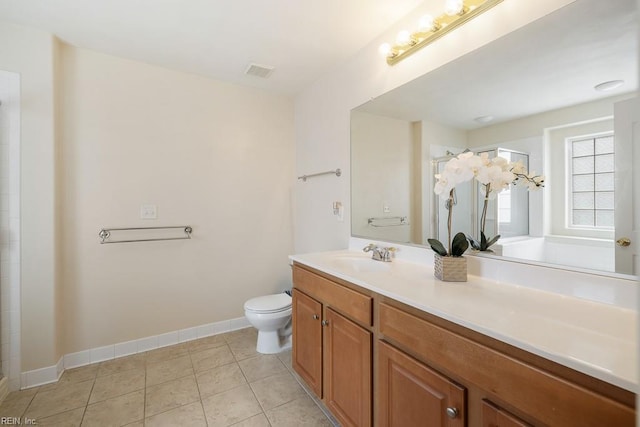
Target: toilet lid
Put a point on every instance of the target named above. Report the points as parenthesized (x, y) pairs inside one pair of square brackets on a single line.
[(269, 303)]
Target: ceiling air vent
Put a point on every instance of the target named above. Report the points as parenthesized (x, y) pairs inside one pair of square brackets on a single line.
[(258, 70)]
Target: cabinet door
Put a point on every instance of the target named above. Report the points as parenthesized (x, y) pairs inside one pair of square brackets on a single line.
[(306, 357), (412, 394), (347, 383), (496, 417)]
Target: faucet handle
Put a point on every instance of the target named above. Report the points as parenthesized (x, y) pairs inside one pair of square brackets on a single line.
[(370, 247), (388, 252)]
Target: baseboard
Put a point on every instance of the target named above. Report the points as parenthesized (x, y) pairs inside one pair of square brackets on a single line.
[(52, 374)]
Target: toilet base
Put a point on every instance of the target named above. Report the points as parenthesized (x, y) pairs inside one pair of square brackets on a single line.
[(270, 342)]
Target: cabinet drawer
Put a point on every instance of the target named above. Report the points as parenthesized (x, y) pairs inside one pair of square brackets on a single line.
[(545, 397), (349, 302)]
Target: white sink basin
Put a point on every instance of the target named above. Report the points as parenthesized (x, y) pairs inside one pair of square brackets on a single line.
[(360, 264)]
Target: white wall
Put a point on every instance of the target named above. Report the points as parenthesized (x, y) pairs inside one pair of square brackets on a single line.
[(323, 110), (211, 155), (31, 53), (535, 125), (10, 227)]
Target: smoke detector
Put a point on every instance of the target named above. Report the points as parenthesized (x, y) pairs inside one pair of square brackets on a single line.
[(258, 70)]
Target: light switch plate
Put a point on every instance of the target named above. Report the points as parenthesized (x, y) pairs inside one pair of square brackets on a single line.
[(338, 211), (148, 212)]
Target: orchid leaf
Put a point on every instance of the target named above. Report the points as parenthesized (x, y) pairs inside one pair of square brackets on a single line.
[(492, 241), (474, 243), (459, 244), (437, 247), (483, 242)]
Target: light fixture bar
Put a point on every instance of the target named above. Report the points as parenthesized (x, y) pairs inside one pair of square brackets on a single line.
[(443, 24)]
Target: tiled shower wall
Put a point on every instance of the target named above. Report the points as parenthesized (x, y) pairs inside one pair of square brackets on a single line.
[(10, 227)]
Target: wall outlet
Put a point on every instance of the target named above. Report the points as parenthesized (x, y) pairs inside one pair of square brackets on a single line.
[(148, 212), (385, 207)]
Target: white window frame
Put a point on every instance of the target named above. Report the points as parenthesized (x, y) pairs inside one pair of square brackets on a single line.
[(569, 183)]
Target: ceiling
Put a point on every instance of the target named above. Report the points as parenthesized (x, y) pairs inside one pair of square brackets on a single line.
[(551, 63), (216, 38)]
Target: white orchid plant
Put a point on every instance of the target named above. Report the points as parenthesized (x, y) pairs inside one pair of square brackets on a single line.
[(494, 175)]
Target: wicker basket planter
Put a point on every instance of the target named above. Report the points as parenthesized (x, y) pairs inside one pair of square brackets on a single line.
[(450, 268)]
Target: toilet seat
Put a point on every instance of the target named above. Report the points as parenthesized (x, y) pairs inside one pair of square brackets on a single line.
[(269, 303)]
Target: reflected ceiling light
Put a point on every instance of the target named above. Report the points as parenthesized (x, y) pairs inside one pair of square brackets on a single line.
[(611, 85), (456, 13), (483, 119)]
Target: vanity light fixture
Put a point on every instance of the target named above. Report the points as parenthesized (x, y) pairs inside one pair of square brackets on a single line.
[(456, 13)]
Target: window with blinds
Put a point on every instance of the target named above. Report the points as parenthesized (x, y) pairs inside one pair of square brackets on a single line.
[(591, 174)]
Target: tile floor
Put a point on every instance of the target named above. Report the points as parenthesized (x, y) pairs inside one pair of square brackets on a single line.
[(215, 381)]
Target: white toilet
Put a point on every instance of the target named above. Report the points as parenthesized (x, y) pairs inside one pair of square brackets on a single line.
[(271, 316)]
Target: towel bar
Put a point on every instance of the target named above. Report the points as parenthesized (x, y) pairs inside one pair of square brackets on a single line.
[(105, 234)]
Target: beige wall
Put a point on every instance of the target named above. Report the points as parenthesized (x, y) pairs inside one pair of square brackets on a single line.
[(31, 54), (382, 175), (215, 156), (238, 147)]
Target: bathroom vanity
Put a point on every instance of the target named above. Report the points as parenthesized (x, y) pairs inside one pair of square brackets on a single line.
[(386, 344)]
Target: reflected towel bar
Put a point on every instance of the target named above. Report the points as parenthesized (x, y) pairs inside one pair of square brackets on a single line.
[(399, 220), (336, 172), (105, 233)]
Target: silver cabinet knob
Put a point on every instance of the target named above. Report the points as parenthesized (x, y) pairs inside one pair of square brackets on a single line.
[(325, 322), (452, 412), (315, 317)]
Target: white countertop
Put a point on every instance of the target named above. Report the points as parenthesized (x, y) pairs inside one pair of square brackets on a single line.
[(593, 338)]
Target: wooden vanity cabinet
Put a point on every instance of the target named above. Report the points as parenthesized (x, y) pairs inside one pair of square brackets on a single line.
[(429, 371), (412, 394), (347, 356), (493, 416), (332, 345), (307, 345), (537, 395)]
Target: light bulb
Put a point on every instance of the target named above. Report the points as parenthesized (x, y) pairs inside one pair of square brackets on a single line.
[(426, 23), (384, 49), (403, 38), (453, 7)]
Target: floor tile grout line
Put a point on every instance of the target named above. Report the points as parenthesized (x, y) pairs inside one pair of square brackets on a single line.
[(52, 391), (254, 393), (144, 400), (195, 376), (86, 405), (24, 411)]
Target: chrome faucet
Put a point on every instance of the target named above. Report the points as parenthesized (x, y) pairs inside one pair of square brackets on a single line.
[(379, 254)]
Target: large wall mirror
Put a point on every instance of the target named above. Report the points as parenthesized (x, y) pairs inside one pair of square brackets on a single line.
[(530, 95)]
